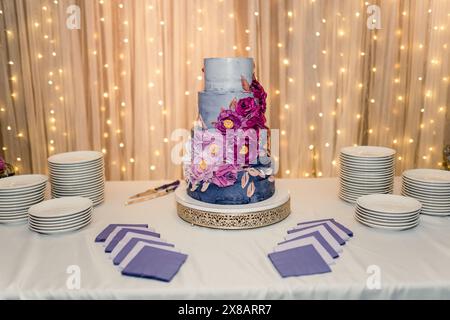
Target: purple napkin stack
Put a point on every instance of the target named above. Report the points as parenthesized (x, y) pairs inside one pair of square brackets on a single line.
[(309, 248), (140, 252)]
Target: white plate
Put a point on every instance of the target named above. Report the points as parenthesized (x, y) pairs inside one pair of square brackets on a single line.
[(386, 218), (86, 165), (61, 230), (434, 213), (366, 167), (419, 189), (389, 203), (386, 221), (389, 216), (13, 216), (368, 181), (367, 162), (78, 193), (60, 207), (69, 224), (78, 184), (368, 152), (373, 225), (20, 202), (46, 220), (77, 179), (23, 192), (13, 221), (406, 215), (364, 187), (22, 182), (433, 176), (75, 157), (76, 171)]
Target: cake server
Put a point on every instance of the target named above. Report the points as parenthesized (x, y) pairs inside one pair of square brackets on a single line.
[(154, 195), (150, 191)]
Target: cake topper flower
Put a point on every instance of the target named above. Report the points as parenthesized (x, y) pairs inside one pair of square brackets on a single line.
[(2, 164)]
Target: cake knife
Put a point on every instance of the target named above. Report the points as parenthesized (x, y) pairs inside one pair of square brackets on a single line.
[(155, 190), (155, 195)]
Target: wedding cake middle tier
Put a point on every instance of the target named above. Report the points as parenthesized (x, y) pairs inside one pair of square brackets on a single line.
[(229, 154)]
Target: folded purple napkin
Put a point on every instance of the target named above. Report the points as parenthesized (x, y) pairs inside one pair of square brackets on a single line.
[(332, 232), (130, 245), (337, 224), (119, 236), (299, 261), (155, 263), (320, 238), (107, 231)]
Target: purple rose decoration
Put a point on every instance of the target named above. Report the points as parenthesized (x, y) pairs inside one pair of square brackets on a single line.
[(246, 106), (228, 120), (201, 172), (2, 164), (225, 175), (255, 120), (259, 94)]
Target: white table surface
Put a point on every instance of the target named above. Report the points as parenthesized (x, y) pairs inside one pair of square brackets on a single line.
[(229, 264)]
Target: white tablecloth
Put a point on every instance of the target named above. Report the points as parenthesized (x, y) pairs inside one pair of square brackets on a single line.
[(229, 264)]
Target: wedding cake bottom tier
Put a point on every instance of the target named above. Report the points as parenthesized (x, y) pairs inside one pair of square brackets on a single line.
[(243, 191)]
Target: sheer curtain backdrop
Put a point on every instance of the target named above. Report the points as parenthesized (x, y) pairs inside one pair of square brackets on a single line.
[(129, 76)]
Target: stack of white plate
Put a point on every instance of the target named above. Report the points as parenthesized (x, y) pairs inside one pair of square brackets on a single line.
[(365, 170), (431, 187), (60, 215), (18, 193), (387, 211), (79, 173)]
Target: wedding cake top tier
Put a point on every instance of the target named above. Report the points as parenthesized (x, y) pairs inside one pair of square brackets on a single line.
[(225, 74)]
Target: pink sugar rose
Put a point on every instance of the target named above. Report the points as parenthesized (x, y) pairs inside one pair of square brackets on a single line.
[(225, 175)]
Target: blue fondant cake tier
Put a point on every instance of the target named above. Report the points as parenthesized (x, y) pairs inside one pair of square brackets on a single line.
[(210, 103), (224, 74), (235, 194)]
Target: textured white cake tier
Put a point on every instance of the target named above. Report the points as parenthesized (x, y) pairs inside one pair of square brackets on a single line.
[(224, 74)]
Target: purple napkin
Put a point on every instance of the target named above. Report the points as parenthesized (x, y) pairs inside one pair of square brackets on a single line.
[(119, 236), (130, 245), (107, 231), (155, 263), (320, 238), (298, 262), (337, 224), (332, 232)]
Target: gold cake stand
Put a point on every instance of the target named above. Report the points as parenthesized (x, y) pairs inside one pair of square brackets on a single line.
[(233, 217)]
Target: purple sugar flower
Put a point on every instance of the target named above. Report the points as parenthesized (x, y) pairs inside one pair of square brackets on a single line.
[(225, 175), (2, 164), (227, 120), (246, 106), (201, 172), (259, 93), (255, 120)]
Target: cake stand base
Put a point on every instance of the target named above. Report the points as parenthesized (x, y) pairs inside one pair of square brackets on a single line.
[(232, 217)]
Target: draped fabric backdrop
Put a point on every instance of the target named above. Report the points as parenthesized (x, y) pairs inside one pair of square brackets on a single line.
[(130, 75)]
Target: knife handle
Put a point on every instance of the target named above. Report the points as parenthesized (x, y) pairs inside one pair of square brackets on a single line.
[(165, 186)]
